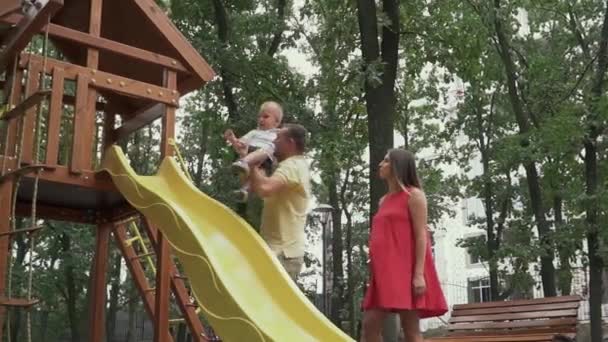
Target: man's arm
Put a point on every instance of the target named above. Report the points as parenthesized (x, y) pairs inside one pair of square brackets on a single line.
[(265, 186)]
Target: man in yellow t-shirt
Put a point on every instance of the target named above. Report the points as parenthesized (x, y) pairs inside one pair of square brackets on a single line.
[(286, 199)]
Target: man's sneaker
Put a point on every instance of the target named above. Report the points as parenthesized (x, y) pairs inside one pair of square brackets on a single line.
[(241, 195)]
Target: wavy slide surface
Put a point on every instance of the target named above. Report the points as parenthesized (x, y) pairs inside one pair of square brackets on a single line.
[(241, 287)]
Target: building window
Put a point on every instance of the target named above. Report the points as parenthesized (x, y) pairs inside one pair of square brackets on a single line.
[(474, 258), (479, 290), (472, 211)]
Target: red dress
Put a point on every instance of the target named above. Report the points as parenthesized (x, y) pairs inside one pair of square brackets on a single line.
[(392, 258)]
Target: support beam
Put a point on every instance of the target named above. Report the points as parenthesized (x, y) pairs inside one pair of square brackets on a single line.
[(55, 213), (155, 15), (140, 120), (25, 30), (168, 125), (107, 45), (161, 308), (98, 283), (31, 102), (103, 80)]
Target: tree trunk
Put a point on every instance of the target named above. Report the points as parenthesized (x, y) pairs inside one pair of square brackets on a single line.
[(350, 285), (337, 290), (114, 294), (132, 313), (565, 270), (72, 292), (380, 98), (547, 269), (594, 243), (223, 32)]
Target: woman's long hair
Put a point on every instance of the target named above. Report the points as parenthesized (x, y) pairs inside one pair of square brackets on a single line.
[(403, 164)]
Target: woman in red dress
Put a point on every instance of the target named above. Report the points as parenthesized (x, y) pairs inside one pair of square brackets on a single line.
[(403, 278)]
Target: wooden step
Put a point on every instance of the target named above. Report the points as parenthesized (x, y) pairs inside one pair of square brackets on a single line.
[(19, 110), (18, 302), (25, 230)]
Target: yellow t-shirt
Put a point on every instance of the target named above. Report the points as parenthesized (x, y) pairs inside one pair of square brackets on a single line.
[(284, 213)]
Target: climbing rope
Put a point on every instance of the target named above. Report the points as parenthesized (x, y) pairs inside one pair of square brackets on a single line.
[(41, 85)]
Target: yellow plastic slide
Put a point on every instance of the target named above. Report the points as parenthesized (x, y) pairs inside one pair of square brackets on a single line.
[(241, 287)]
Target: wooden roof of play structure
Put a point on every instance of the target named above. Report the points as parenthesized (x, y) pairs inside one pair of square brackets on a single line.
[(127, 52), (129, 28)]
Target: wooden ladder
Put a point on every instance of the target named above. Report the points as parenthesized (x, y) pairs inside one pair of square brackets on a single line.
[(127, 236)]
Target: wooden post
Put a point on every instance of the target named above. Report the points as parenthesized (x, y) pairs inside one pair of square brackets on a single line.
[(33, 75), (15, 97), (109, 137), (6, 190), (54, 120), (89, 111), (161, 326), (98, 283), (79, 148)]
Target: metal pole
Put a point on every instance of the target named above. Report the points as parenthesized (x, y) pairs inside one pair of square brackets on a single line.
[(324, 289)]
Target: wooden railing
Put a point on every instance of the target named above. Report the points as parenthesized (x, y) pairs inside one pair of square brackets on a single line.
[(73, 132)]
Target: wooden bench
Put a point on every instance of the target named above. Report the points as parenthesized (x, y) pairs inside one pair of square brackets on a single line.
[(534, 320)]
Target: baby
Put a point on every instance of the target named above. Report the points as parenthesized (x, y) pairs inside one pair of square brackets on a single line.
[(257, 146)]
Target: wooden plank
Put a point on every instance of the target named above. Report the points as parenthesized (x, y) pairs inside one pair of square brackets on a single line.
[(32, 86), (54, 119), (511, 325), (30, 102), (18, 302), (514, 309), (546, 300), (11, 175), (22, 231), (56, 213), (98, 284), (516, 316), (157, 17), (168, 121), (512, 338), (108, 45), (88, 179), (140, 120), (79, 152), (26, 29)]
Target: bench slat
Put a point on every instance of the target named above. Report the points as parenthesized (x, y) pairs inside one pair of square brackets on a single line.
[(526, 308), (548, 300), (516, 316), (546, 337), (515, 324)]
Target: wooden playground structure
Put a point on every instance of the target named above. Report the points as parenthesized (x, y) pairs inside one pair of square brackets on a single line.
[(122, 65)]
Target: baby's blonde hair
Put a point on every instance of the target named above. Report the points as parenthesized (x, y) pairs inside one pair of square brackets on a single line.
[(274, 108)]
